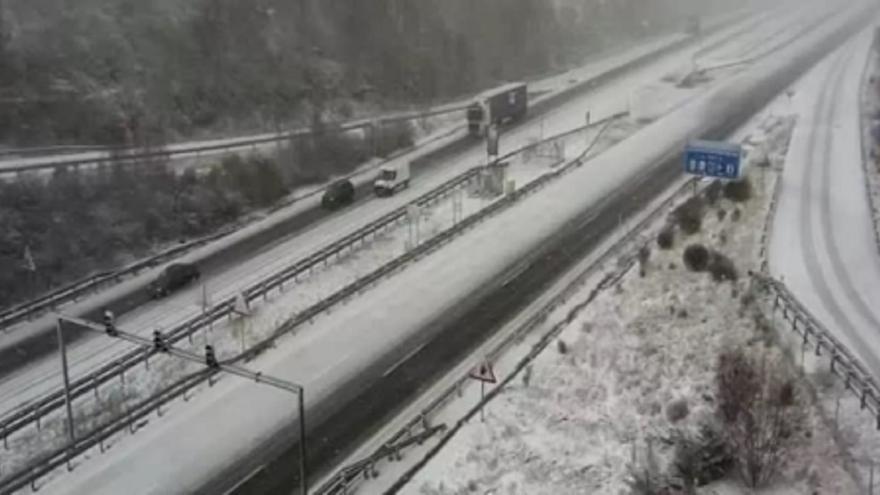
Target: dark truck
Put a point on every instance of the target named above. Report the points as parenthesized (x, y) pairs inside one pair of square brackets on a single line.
[(505, 104), (174, 277)]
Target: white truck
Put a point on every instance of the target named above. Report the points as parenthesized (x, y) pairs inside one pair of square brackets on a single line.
[(391, 179)]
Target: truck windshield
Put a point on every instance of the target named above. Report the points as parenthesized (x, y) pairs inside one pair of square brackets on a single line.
[(388, 175)]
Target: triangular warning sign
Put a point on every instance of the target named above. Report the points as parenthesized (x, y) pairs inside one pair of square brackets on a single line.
[(484, 373)]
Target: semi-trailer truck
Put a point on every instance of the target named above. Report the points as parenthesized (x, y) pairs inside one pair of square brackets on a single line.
[(498, 106)]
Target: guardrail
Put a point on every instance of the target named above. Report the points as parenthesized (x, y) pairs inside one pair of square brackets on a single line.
[(76, 289), (31, 413), (843, 363), (129, 421), (539, 107), (343, 481), (118, 157), (71, 292)]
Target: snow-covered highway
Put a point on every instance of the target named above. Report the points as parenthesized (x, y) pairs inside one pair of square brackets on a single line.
[(350, 342), (822, 245), (27, 384)]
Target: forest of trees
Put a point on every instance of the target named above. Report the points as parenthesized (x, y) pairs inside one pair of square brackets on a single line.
[(144, 73), (147, 72), (74, 224)]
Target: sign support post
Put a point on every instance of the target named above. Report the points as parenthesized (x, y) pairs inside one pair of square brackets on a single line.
[(483, 373), (482, 398)]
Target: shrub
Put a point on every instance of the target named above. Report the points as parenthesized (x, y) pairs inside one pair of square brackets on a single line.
[(561, 346), (758, 418), (644, 254), (737, 384), (722, 213), (666, 238), (787, 394), (736, 215), (738, 191), (722, 268), (690, 215), (527, 376), (713, 192), (677, 410), (703, 458), (645, 477), (696, 257)]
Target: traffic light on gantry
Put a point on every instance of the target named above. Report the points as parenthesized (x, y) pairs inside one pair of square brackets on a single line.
[(159, 342), (110, 324), (210, 357)]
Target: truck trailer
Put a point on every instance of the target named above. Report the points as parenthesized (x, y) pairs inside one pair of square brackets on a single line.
[(498, 106)]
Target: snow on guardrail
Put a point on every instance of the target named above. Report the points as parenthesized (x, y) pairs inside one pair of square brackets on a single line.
[(115, 370)]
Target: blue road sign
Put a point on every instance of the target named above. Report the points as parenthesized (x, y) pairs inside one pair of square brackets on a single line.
[(713, 159)]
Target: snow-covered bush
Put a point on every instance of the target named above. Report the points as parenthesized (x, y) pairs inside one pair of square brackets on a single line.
[(666, 238), (759, 408), (702, 458), (677, 410), (713, 192), (644, 254), (737, 214), (561, 346), (738, 191), (696, 257), (722, 268), (646, 477), (689, 215)]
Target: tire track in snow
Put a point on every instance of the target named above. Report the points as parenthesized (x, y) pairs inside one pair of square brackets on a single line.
[(826, 110), (840, 270)]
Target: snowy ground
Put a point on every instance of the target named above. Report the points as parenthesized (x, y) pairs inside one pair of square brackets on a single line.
[(233, 343), (823, 245), (574, 425), (871, 128), (855, 429), (230, 338)]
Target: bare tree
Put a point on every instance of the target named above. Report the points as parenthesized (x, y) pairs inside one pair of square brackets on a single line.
[(760, 411)]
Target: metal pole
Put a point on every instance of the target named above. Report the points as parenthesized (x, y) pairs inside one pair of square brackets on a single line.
[(67, 401), (482, 399), (303, 482)]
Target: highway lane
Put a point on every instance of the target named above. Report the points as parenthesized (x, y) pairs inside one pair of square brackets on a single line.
[(822, 245), (375, 402), (344, 353), (605, 100), (241, 143)]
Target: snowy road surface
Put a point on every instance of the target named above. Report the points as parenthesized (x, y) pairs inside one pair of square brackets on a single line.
[(227, 422), (43, 376), (822, 245)]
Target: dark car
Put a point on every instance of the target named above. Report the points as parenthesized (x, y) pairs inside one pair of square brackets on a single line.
[(338, 194), (172, 278)]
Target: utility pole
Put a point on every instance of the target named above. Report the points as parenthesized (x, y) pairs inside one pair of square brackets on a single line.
[(62, 350), (159, 344)]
